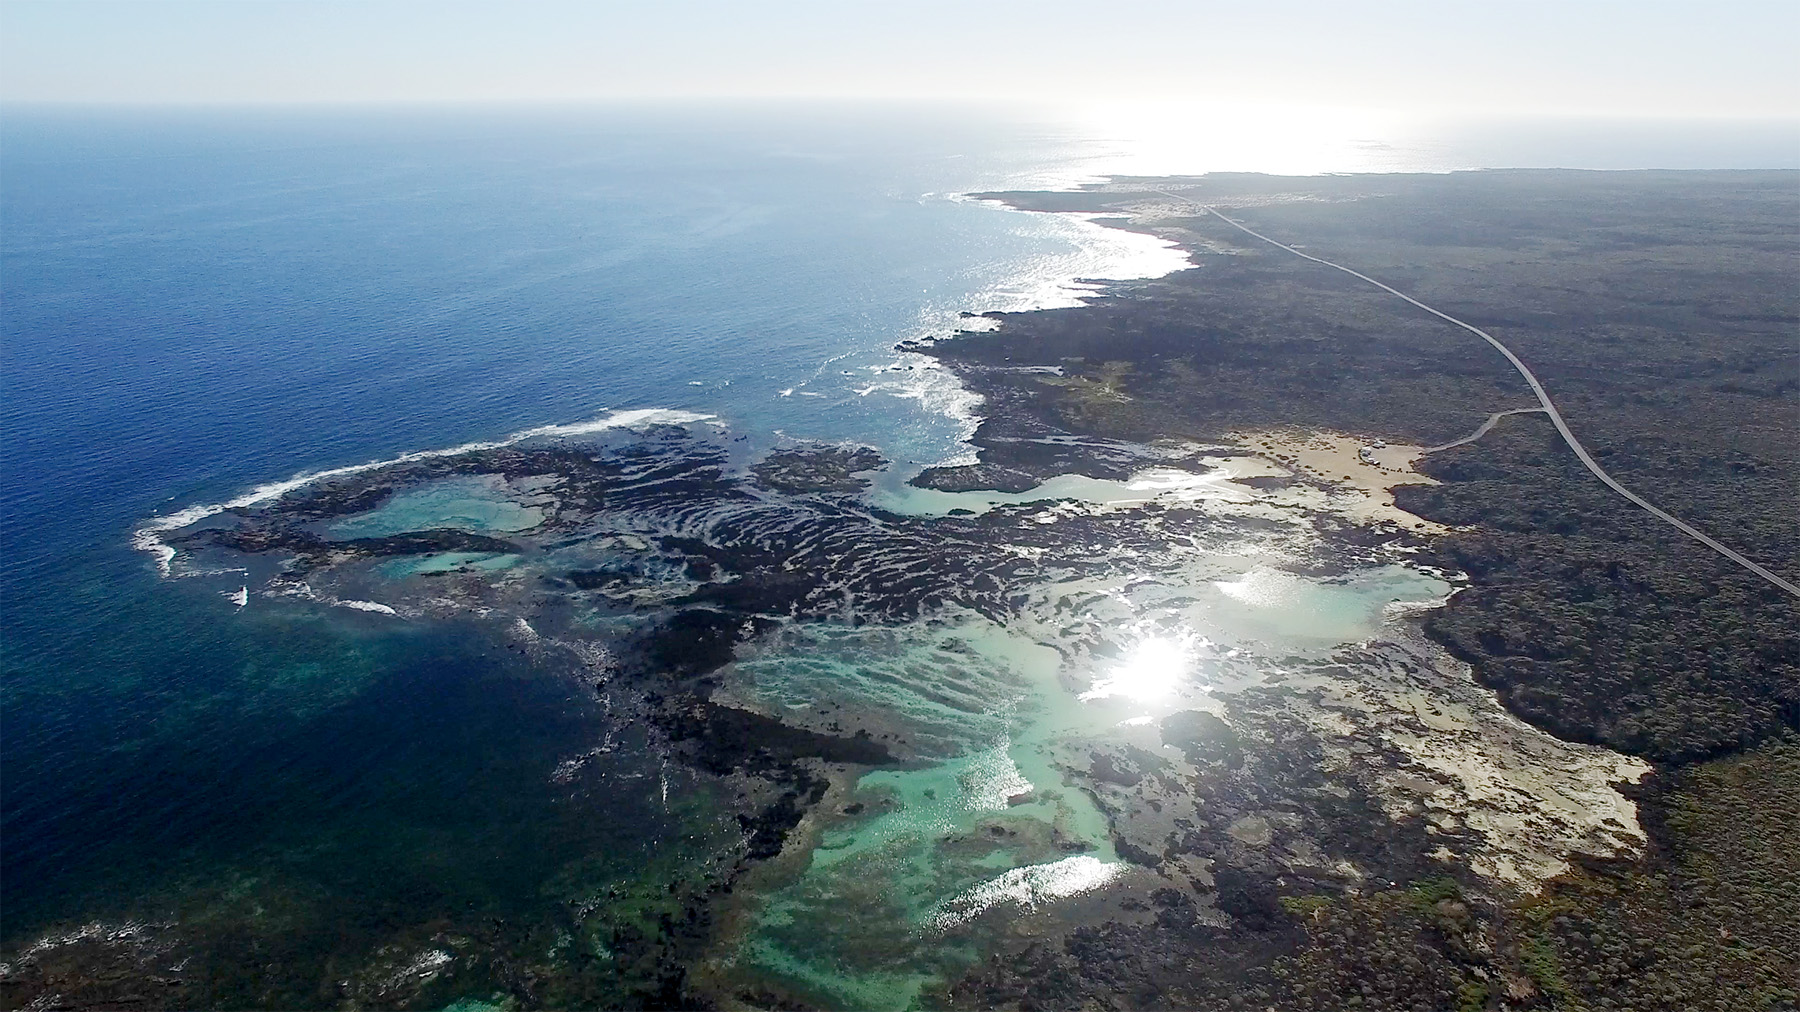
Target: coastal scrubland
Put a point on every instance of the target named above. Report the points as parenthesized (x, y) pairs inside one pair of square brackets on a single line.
[(1705, 922), (1661, 312), (1658, 308)]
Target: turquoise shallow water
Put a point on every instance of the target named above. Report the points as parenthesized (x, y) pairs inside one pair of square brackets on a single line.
[(928, 862), (199, 303), (448, 562), (455, 503)]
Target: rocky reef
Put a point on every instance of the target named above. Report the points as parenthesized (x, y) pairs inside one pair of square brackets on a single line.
[(1158, 704), (664, 574)]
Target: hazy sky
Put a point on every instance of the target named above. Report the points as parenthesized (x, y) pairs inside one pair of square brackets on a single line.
[(1632, 57)]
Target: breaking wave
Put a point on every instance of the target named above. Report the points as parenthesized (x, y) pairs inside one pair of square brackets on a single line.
[(149, 538)]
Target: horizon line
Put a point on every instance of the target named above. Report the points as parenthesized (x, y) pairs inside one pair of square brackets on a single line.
[(1791, 119)]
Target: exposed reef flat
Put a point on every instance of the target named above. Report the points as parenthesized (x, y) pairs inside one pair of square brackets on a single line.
[(962, 694), (818, 468), (1657, 307)]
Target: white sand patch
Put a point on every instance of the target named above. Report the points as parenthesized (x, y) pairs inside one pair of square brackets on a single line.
[(1358, 475), (1531, 799)]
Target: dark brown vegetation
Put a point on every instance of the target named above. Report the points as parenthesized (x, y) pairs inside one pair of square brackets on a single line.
[(1659, 308), (1707, 924), (1597, 622), (1710, 923), (1662, 312)]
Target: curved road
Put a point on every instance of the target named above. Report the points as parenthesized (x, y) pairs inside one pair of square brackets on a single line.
[(1486, 427), (1543, 396)]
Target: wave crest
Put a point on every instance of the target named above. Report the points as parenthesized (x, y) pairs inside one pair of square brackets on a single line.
[(149, 538)]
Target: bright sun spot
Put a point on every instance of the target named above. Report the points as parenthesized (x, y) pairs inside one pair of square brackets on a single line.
[(1180, 135), (1150, 671)]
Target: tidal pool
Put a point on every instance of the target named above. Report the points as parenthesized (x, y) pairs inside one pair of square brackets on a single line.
[(480, 503), (924, 863), (984, 824)]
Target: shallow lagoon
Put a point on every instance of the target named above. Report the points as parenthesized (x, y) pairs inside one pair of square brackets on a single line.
[(922, 864), (479, 503), (917, 869)]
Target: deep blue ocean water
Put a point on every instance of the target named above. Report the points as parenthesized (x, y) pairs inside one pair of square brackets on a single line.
[(199, 302)]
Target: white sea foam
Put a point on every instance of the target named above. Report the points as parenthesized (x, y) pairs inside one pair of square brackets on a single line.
[(374, 606), (1053, 281), (921, 378), (149, 538), (1046, 281), (1027, 888)]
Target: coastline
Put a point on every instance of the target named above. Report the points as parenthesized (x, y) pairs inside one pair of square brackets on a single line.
[(1335, 770), (1508, 509), (1202, 355)]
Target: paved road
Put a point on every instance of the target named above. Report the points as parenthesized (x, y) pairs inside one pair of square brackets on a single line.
[(1492, 420), (1543, 396)]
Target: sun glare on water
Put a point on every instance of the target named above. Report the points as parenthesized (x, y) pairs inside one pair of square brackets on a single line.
[(1151, 671), (1174, 135)]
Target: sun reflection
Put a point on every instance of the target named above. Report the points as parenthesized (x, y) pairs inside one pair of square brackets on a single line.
[(1263, 588), (1175, 135), (1150, 671)]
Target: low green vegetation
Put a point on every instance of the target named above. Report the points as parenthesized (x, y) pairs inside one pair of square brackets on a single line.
[(1409, 948), (1707, 923)]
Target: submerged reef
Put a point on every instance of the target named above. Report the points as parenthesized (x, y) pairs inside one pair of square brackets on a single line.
[(957, 703)]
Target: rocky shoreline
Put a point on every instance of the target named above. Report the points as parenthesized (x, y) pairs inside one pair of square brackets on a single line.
[(1343, 809), (1251, 339), (790, 541)]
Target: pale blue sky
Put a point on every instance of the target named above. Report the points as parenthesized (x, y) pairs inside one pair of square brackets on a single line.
[(1641, 57)]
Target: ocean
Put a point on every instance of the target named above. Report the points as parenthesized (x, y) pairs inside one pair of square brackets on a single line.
[(201, 302)]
